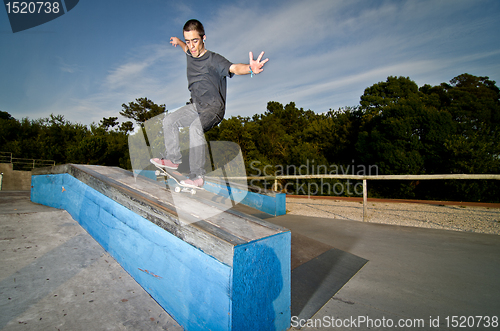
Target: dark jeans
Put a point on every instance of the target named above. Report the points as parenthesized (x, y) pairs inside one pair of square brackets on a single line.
[(198, 124)]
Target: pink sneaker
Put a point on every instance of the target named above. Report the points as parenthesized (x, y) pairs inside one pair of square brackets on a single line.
[(164, 163), (194, 183)]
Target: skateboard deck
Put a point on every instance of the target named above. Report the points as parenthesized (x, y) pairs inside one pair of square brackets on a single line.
[(177, 177)]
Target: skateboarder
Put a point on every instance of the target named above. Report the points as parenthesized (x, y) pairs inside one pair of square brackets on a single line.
[(206, 74)]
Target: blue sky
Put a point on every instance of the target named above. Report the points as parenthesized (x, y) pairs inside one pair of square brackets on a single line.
[(322, 54)]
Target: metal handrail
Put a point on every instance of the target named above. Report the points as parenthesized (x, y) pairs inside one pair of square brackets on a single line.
[(372, 177), (25, 163), (376, 177), (7, 158)]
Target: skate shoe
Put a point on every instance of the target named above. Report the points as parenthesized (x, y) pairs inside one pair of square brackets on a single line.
[(164, 163), (196, 182)]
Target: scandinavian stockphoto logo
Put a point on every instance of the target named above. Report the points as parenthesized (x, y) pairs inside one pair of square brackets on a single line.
[(25, 15), (224, 165)]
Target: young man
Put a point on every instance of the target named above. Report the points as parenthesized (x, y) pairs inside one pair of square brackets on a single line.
[(206, 74)]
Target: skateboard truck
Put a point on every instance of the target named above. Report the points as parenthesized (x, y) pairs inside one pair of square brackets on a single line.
[(177, 177)]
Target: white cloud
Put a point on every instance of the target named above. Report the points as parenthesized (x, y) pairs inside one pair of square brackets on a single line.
[(125, 73), (66, 67)]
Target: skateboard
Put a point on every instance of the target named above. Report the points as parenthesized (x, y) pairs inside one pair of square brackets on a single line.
[(177, 177)]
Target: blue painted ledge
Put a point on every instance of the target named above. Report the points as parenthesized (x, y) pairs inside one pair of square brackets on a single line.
[(228, 272), (269, 202)]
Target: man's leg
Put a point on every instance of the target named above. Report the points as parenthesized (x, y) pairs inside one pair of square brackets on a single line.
[(183, 117), (198, 145)]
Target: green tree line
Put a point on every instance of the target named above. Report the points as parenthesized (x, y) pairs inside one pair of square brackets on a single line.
[(55, 138), (397, 128)]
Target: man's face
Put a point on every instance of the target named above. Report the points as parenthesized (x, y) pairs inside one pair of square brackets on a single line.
[(194, 43)]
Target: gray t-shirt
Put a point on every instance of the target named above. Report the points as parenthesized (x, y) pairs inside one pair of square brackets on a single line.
[(207, 81)]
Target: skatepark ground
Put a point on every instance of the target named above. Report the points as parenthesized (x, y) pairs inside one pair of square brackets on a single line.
[(54, 276)]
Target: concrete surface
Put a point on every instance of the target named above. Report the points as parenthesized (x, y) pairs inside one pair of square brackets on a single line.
[(14, 180), (412, 274), (54, 276)]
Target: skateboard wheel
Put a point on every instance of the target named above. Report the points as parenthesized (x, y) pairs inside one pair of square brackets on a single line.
[(177, 189), (193, 192), (157, 172)]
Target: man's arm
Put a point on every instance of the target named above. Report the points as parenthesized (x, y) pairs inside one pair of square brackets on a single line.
[(177, 42), (254, 67)]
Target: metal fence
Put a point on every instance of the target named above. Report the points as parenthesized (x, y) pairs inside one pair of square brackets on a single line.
[(372, 177), (24, 164)]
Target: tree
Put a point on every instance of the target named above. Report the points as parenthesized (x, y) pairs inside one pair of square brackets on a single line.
[(401, 134), (335, 133), (5, 116), (473, 103), (126, 127), (9, 128), (382, 94), (473, 147), (391, 134), (109, 122), (238, 130), (141, 110)]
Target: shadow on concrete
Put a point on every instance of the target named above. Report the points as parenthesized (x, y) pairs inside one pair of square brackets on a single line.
[(319, 271)]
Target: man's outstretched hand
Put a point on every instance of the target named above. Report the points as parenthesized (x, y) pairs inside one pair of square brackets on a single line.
[(257, 65)]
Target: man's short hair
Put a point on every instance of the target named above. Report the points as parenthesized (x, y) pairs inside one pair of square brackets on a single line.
[(194, 25)]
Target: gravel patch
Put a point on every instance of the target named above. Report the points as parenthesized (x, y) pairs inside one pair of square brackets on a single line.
[(458, 218)]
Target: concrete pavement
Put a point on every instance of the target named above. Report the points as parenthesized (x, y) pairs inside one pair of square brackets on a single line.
[(412, 275), (54, 276)]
